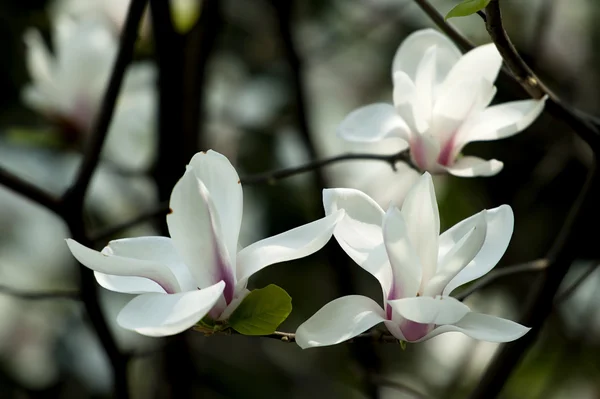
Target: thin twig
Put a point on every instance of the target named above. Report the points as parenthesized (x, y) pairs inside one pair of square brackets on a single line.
[(35, 296), (102, 235), (374, 336), (272, 177), (563, 296), (529, 267)]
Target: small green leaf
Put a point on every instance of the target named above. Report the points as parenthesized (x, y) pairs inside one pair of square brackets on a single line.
[(262, 311), (467, 7), (403, 345)]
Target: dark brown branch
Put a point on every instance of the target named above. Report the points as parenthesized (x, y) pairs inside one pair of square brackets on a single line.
[(102, 235), (28, 190), (449, 30), (107, 107), (272, 177), (34, 296), (563, 253), (529, 267), (374, 336)]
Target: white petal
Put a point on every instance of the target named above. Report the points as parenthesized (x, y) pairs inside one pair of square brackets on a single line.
[(469, 166), (373, 123), (194, 228), (483, 62), (156, 249), (500, 223), (121, 266), (420, 212), (159, 315), (406, 266), (463, 252), (427, 310), (424, 86), (38, 58), (405, 98), (483, 327), (501, 121), (359, 232), (338, 321), (223, 184), (413, 48), (293, 244), (425, 151)]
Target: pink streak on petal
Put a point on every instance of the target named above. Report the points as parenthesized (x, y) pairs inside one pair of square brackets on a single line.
[(417, 152), (414, 331)]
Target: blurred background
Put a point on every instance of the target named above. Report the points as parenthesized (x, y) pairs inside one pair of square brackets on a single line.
[(246, 107)]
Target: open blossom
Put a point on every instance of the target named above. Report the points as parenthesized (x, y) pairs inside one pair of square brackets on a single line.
[(417, 268), (199, 271), (441, 103), (68, 86)]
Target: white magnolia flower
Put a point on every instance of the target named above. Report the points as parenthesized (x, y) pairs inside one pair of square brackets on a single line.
[(199, 270), (68, 86), (416, 266), (441, 103)]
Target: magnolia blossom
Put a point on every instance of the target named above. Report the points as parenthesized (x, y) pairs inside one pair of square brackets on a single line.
[(199, 270), (416, 266), (68, 86), (441, 103)]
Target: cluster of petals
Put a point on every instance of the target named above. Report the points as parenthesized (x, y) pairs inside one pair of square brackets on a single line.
[(441, 102), (68, 86), (416, 266), (199, 271)]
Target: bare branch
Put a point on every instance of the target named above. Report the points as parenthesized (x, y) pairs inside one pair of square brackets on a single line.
[(29, 191), (529, 267), (33, 295), (563, 296), (272, 177)]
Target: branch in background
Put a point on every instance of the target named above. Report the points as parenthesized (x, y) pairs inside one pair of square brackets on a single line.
[(29, 191), (102, 123), (537, 265), (562, 254), (35, 296), (563, 296), (159, 210), (272, 177), (582, 124)]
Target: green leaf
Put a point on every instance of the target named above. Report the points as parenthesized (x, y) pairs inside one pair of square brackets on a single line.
[(262, 311), (467, 7)]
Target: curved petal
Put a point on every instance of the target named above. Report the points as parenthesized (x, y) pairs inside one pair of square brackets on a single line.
[(157, 249), (501, 121), (424, 87), (413, 49), (338, 321), (483, 327), (420, 212), (406, 267), (427, 310), (223, 184), (458, 257), (122, 266), (359, 232), (159, 315), (194, 228), (469, 166), (127, 284), (293, 244), (483, 62), (373, 123), (500, 224), (405, 97)]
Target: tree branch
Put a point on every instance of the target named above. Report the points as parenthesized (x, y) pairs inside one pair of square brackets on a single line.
[(107, 107), (272, 177), (29, 191), (563, 296), (529, 267), (34, 296)]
